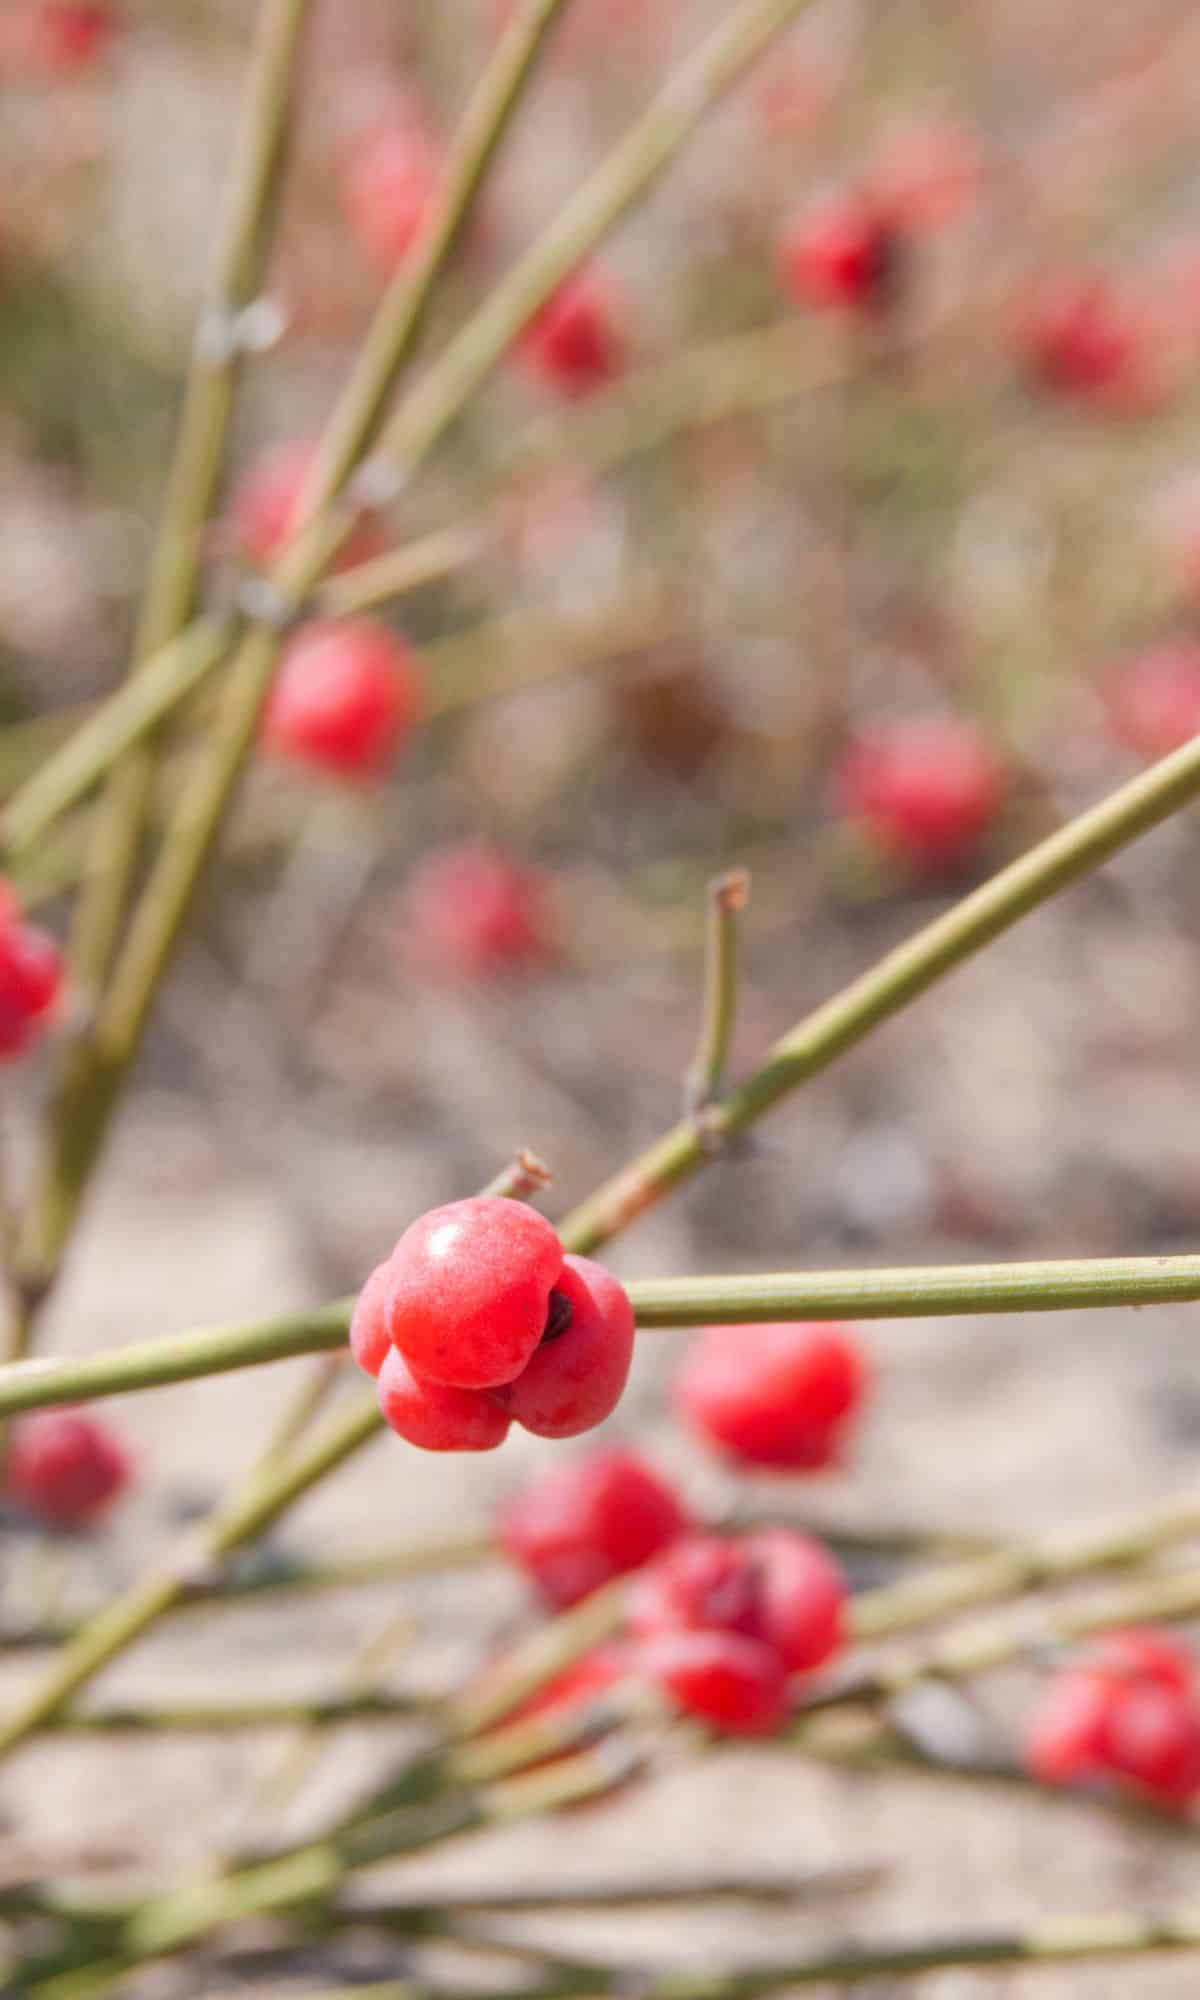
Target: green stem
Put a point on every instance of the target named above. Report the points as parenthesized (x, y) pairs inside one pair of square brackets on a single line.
[(727, 897), (921, 1292), (905, 973), (199, 458)]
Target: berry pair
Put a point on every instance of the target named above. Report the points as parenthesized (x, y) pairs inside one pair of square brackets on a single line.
[(774, 1395), (30, 978), (64, 1467), (477, 1320), (1130, 1713)]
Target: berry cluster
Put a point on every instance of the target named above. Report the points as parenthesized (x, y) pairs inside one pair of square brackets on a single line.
[(1129, 1713), (477, 1320), (722, 1626), (64, 1467), (30, 978), (779, 1396)]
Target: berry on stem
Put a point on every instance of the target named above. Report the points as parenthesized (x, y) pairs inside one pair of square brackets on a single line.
[(577, 1527), (737, 1685), (469, 1292), (31, 975), (776, 1586), (434, 1416), (577, 1376), (370, 1340), (922, 792), (346, 695), (841, 253), (470, 912), (576, 344), (65, 1467), (774, 1395)]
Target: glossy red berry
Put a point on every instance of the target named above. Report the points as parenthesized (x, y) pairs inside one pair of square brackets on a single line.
[(576, 343), (65, 1467), (470, 1289), (388, 183), (434, 1416), (346, 695), (923, 792), (1153, 700), (577, 1376), (840, 253), (774, 1395), (582, 1524), (1130, 1712), (777, 1587), (470, 912), (264, 508), (737, 1685)]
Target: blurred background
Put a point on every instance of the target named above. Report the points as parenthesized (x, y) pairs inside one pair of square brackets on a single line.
[(851, 532)]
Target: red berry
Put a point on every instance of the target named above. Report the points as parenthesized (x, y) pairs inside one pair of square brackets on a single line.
[(264, 508), (840, 253), (1081, 336), (59, 39), (774, 1395), (31, 973), (65, 1467), (388, 183), (470, 1290), (736, 1685), (1153, 700), (575, 344), (923, 792), (579, 1526), (370, 1340), (1143, 1653), (1065, 1734), (1151, 1740), (346, 695), (435, 1417), (577, 1376), (470, 911), (777, 1587)]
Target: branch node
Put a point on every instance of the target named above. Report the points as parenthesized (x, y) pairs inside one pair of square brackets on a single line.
[(226, 332)]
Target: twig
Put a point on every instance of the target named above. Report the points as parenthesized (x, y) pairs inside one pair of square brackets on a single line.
[(727, 898)]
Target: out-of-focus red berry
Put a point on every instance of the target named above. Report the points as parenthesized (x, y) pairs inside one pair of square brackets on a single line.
[(370, 1340), (927, 176), (591, 1675), (737, 1685), (840, 253), (470, 1289), (774, 1395), (434, 1416), (1130, 1712), (1153, 700), (346, 695), (31, 974), (65, 1467), (777, 1587), (577, 1527), (470, 912), (388, 182), (577, 1376), (577, 342), (923, 792), (264, 508), (54, 41), (1079, 335), (1064, 1735)]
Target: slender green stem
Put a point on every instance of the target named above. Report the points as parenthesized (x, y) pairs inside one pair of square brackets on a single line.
[(900, 977), (745, 1298), (199, 458), (727, 897), (238, 1712)]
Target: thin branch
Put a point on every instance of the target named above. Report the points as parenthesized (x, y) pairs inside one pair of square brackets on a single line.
[(727, 898)]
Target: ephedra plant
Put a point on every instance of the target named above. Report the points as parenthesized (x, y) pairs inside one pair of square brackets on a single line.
[(661, 1629)]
